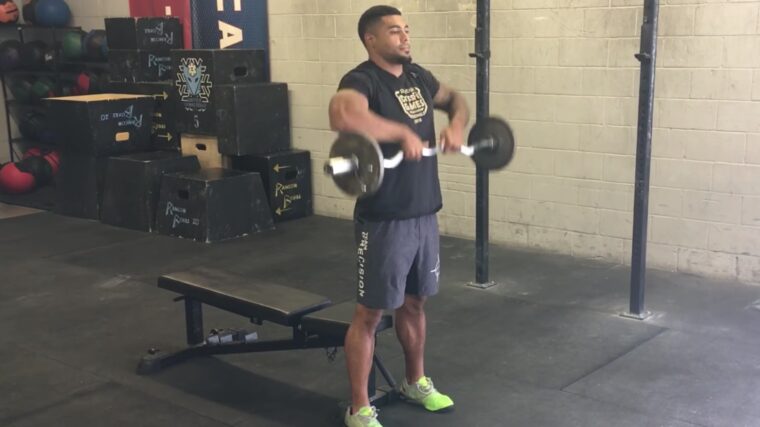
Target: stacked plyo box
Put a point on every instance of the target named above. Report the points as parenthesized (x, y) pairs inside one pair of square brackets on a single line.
[(232, 116), (226, 106), (94, 128), (140, 63), (140, 66), (226, 100)]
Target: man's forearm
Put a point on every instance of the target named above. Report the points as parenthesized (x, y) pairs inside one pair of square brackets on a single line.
[(347, 119), (459, 114)]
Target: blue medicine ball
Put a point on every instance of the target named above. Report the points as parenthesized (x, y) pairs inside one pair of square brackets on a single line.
[(52, 13)]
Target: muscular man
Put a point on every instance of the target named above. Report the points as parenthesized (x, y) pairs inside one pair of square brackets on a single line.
[(391, 99)]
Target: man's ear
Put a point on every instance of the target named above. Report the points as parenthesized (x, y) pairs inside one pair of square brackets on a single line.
[(368, 37)]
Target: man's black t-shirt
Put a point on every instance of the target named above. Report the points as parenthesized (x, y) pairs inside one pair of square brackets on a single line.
[(412, 189)]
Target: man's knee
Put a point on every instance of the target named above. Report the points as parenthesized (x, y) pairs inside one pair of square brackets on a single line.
[(413, 304), (366, 318)]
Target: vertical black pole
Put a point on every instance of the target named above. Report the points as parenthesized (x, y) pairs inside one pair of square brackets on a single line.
[(482, 90), (647, 56), (7, 120)]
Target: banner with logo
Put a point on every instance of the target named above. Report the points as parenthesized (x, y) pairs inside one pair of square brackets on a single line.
[(230, 24), (214, 24)]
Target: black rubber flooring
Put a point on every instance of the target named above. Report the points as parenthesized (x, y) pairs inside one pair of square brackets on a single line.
[(547, 346)]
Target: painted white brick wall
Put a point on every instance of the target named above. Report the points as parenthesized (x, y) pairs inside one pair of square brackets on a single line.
[(89, 14), (563, 73)]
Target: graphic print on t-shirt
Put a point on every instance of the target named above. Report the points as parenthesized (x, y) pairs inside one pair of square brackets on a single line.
[(413, 103)]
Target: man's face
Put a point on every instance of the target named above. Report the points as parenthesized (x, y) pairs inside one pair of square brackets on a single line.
[(390, 39)]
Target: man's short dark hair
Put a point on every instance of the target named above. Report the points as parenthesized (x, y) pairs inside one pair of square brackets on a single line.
[(373, 15)]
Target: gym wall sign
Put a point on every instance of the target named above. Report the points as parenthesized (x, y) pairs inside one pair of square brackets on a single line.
[(230, 24), (214, 24)]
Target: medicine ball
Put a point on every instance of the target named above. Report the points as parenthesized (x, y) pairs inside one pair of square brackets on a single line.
[(44, 88), (54, 159), (95, 45), (29, 124), (52, 13), (50, 155), (67, 84), (35, 125), (14, 181), (89, 83), (33, 54), (39, 168), (71, 45), (21, 88), (10, 55), (34, 151), (27, 11), (67, 90), (8, 12)]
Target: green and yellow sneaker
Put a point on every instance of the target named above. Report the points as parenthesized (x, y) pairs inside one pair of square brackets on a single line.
[(366, 417), (424, 393)]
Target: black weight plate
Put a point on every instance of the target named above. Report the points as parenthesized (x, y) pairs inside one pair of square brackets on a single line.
[(368, 176), (501, 153)]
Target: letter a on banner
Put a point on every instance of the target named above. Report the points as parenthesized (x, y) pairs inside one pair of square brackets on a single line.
[(230, 35)]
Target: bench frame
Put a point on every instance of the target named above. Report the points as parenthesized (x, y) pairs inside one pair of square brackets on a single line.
[(156, 359)]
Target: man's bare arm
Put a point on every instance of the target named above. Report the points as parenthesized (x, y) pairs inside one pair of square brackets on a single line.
[(451, 101), (454, 104), (349, 112)]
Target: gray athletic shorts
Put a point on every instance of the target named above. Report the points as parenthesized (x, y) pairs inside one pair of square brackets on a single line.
[(395, 258)]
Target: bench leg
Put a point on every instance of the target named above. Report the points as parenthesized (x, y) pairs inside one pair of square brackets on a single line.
[(194, 321), (383, 370), (381, 396)]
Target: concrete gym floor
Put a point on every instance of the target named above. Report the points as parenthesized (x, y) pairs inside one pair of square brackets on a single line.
[(546, 347)]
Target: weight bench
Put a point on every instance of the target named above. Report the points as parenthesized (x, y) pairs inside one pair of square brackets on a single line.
[(314, 320)]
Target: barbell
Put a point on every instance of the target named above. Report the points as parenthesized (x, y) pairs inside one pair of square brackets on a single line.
[(357, 165)]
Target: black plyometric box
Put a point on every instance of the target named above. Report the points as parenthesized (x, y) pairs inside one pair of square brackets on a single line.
[(200, 73), (103, 124), (214, 67), (162, 33), (247, 118), (287, 178), (164, 132), (132, 186), (212, 205), (128, 65), (79, 185)]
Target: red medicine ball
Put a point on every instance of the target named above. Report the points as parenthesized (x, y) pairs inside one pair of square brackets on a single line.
[(51, 156), (14, 181)]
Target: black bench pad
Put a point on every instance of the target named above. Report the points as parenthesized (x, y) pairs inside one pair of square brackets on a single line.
[(244, 296), (335, 320)]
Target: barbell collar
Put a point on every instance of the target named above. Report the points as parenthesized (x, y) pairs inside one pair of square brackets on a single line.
[(341, 165)]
